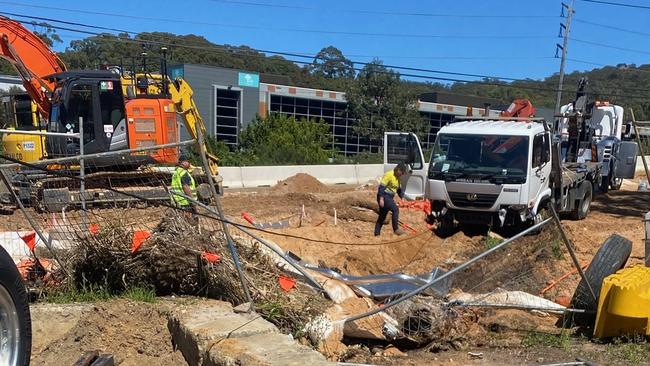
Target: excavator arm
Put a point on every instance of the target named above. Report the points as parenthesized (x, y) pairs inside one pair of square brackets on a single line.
[(182, 95), (32, 59), (521, 108)]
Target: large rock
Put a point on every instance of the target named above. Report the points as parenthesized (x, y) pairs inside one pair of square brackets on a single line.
[(210, 333)]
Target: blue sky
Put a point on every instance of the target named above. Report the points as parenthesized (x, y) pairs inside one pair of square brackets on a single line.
[(486, 41)]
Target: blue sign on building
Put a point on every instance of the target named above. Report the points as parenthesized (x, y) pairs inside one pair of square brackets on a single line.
[(176, 72), (248, 79)]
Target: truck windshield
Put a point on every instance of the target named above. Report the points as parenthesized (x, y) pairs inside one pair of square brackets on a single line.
[(486, 157)]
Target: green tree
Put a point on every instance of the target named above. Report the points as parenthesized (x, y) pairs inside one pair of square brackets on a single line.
[(331, 63), (280, 139), (48, 34), (380, 102)]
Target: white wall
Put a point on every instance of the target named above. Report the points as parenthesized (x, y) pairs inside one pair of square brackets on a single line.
[(259, 176)]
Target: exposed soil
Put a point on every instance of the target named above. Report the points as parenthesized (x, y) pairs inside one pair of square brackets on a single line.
[(529, 264), (135, 333)]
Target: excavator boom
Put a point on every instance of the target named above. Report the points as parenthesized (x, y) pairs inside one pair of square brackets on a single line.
[(33, 60)]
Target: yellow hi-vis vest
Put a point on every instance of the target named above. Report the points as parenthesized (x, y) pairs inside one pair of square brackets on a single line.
[(177, 187)]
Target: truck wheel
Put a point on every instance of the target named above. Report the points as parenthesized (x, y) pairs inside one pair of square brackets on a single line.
[(15, 321), (445, 227), (584, 204), (610, 257), (604, 184)]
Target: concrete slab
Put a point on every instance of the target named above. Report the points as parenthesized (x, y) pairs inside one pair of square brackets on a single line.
[(264, 349), (211, 333)]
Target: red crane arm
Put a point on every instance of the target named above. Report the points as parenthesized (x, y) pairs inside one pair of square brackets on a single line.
[(33, 60)]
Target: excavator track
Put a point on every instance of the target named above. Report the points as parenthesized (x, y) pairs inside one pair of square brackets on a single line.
[(102, 189)]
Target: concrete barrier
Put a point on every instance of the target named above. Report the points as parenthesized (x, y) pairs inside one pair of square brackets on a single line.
[(260, 176)]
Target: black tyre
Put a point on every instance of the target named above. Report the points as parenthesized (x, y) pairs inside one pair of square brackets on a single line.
[(445, 226), (584, 204), (15, 321), (604, 184), (610, 257)]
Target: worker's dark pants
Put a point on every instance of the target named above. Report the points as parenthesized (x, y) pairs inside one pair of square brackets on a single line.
[(389, 206)]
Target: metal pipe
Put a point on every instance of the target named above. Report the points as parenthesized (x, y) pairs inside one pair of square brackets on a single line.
[(82, 174), (101, 154), (448, 274), (39, 133), (638, 141), (231, 244), (572, 253)]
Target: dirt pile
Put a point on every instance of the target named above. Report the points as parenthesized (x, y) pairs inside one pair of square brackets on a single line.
[(135, 333), (300, 183)]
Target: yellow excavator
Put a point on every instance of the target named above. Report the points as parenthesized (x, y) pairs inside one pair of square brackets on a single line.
[(120, 109)]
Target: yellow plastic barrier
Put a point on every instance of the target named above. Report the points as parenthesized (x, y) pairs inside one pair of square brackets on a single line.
[(624, 304)]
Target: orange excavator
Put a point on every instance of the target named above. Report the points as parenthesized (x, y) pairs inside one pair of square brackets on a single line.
[(112, 121)]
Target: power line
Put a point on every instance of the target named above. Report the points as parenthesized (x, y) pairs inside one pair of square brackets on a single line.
[(380, 12), (290, 54), (111, 37), (612, 27), (617, 4), (292, 30), (610, 46)]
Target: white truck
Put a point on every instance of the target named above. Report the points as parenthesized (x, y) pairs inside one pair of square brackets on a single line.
[(496, 172)]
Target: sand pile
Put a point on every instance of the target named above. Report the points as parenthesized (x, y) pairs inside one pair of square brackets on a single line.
[(300, 183)]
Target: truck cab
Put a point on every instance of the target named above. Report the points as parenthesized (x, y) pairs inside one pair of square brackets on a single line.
[(490, 172)]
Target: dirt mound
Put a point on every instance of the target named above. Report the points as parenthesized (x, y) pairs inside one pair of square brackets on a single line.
[(135, 333), (300, 183)]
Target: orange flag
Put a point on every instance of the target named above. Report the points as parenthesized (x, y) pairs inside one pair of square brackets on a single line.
[(286, 283), (139, 237), (30, 240), (210, 257)]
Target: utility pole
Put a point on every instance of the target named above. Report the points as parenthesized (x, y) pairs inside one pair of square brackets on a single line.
[(564, 31)]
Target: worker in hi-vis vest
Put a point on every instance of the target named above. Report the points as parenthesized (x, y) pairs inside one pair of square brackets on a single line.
[(388, 188), (183, 182)]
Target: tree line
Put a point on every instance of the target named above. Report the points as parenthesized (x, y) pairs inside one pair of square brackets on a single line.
[(378, 97)]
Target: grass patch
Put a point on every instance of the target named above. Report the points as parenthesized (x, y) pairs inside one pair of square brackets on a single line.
[(633, 350), (140, 294), (94, 294), (71, 295), (562, 340), (491, 241), (556, 249)]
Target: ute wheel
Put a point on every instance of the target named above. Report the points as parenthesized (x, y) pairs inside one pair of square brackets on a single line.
[(610, 257), (15, 322), (584, 204)]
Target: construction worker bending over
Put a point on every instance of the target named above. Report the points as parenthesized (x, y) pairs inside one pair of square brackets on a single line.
[(183, 182), (388, 187)]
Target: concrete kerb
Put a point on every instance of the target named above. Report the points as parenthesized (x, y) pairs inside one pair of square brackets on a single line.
[(211, 333)]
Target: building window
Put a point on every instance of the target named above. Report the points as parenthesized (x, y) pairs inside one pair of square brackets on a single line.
[(227, 115)]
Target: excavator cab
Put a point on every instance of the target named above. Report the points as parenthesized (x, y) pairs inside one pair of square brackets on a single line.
[(93, 98)]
